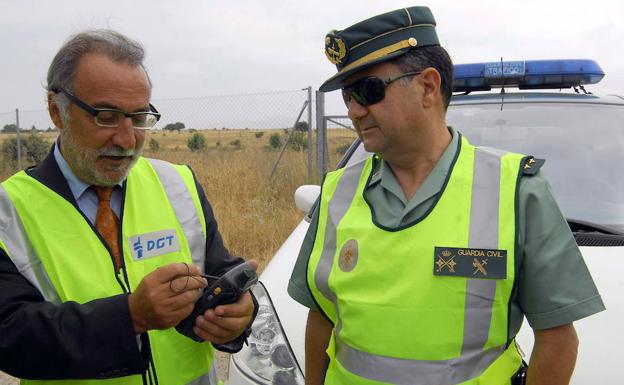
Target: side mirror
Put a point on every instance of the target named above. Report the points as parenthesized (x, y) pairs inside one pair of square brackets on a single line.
[(306, 195)]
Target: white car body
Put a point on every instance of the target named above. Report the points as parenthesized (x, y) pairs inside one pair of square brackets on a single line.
[(600, 335)]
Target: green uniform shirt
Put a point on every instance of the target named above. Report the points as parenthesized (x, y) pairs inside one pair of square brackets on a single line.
[(554, 286)]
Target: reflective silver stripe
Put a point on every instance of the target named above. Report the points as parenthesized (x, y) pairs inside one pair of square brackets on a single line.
[(415, 372), (338, 205), (184, 208), (484, 223), (21, 251), (209, 378), (483, 235)]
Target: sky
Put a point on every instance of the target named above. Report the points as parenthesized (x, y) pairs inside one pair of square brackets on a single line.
[(208, 48)]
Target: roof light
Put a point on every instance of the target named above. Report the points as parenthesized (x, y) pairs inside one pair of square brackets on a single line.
[(530, 74)]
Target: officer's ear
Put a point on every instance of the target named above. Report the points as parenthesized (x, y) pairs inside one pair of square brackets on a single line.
[(53, 110), (431, 80)]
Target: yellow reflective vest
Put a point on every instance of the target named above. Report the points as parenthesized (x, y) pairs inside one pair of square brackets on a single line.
[(162, 223), (426, 303)]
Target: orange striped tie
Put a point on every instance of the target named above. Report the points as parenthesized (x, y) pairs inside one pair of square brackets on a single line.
[(107, 224)]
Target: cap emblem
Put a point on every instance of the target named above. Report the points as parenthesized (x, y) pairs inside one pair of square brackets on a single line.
[(335, 49)]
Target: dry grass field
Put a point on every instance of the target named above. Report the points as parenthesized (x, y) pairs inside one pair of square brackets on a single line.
[(255, 211)]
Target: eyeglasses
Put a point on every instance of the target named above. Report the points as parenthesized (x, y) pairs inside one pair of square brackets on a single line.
[(370, 90), (110, 117)]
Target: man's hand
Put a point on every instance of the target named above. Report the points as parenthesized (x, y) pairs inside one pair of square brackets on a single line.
[(226, 322), (554, 356), (165, 297)]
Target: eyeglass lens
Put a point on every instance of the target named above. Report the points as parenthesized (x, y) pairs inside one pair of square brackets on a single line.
[(367, 91), (112, 119)]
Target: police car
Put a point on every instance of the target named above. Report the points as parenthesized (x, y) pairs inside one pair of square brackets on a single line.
[(551, 116)]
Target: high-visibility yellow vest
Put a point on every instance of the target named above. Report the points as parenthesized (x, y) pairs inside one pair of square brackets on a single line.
[(426, 303), (59, 252)]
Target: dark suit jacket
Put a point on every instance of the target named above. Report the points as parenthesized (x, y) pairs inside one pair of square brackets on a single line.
[(40, 340)]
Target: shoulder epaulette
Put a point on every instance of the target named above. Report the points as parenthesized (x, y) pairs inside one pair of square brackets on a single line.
[(531, 165)]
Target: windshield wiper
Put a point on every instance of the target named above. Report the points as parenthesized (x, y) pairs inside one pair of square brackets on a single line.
[(587, 233), (583, 226)]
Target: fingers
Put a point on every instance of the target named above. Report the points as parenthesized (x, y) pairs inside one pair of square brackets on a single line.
[(253, 263), (225, 322), (219, 330), (165, 296), (186, 283), (169, 272), (242, 307)]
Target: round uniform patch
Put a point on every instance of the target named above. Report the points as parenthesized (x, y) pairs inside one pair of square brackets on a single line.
[(348, 256), (335, 49)]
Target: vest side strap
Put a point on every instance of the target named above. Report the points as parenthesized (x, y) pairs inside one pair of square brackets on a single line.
[(21, 251), (184, 208)]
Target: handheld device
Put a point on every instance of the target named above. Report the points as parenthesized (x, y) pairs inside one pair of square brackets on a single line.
[(226, 289)]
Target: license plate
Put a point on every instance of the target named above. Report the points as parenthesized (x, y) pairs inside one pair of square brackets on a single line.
[(507, 69)]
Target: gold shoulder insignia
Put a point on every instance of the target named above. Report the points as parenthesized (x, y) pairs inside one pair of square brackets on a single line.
[(531, 165)]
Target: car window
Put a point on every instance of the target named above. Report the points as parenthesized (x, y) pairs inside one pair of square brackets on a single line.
[(583, 146)]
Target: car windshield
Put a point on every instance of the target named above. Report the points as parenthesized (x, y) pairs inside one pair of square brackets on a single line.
[(583, 145)]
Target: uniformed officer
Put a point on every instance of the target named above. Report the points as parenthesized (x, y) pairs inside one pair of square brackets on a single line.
[(421, 261), (102, 250)]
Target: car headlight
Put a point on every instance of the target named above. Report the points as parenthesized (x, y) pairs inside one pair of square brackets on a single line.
[(268, 359)]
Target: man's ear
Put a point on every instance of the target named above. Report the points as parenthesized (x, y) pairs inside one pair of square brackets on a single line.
[(431, 82), (53, 110)]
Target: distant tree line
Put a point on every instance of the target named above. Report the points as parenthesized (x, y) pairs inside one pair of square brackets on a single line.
[(12, 128)]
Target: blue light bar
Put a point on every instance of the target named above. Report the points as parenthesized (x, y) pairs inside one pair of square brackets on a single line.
[(530, 74)]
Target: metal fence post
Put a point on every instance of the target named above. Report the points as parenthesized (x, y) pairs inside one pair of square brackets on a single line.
[(309, 131), (321, 134), (19, 146)]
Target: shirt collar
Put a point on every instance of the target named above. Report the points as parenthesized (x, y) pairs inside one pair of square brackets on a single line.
[(77, 186)]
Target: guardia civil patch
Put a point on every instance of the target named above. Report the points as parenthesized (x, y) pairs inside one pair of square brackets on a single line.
[(470, 263)]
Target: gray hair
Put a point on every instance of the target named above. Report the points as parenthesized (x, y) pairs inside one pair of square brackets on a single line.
[(114, 45), (432, 56)]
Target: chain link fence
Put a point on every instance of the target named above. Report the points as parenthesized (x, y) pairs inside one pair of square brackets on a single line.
[(279, 112), (286, 113)]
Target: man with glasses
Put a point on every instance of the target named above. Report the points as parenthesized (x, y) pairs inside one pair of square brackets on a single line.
[(103, 252), (417, 267)]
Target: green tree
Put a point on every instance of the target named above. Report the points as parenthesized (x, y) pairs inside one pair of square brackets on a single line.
[(174, 126), (154, 145), (301, 126), (33, 149), (8, 128), (197, 142), (259, 134), (275, 141), (299, 140), (236, 144)]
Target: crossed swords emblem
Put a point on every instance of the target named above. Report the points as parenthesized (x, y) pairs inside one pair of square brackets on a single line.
[(480, 266)]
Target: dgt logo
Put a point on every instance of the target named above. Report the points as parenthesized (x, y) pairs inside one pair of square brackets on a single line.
[(138, 248), (154, 244)]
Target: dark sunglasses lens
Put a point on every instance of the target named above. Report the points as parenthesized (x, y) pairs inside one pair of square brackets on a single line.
[(369, 91)]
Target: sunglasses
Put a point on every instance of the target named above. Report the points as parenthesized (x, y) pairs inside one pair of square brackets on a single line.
[(370, 90)]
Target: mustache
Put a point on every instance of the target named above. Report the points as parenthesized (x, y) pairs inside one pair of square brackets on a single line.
[(116, 151)]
